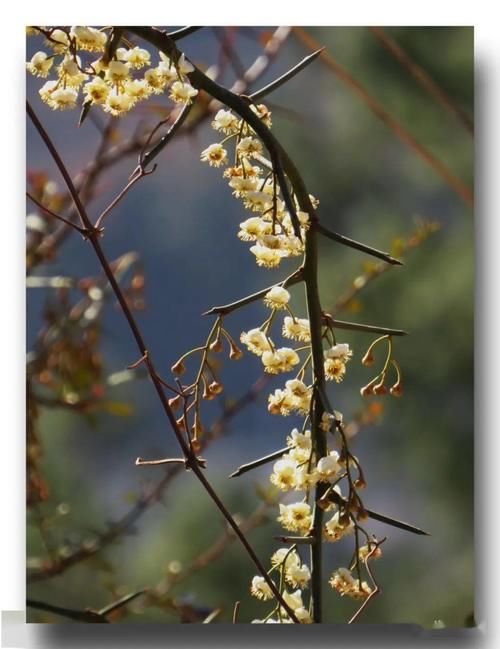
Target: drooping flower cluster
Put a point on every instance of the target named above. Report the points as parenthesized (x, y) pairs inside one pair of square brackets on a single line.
[(115, 85), (253, 180)]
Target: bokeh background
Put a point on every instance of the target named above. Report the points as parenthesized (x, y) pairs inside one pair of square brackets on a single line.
[(182, 221)]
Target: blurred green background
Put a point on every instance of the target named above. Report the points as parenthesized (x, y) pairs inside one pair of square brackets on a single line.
[(418, 458)]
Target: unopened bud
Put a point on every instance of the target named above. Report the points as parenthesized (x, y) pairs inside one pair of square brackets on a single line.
[(362, 515), (215, 387), (181, 425), (380, 388), (397, 389), (235, 353), (175, 402), (195, 445), (359, 483), (368, 359), (178, 368), (216, 345), (344, 519), (207, 394)]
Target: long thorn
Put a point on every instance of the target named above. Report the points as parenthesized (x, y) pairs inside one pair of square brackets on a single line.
[(266, 90)]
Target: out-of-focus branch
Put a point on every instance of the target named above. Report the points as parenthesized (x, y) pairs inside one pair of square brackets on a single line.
[(423, 78), (464, 192)]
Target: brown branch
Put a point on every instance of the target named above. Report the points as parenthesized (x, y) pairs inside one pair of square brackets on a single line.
[(464, 192), (54, 215)]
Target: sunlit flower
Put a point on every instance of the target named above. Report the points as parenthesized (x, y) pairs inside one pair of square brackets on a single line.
[(225, 122), (328, 467), (260, 588), (296, 329), (118, 103), (253, 228), (96, 90), (290, 557), (117, 72), (39, 64), (334, 529), (58, 41), (297, 575), (248, 147), (182, 92), (334, 369), (88, 38), (265, 256), (136, 57), (345, 584), (215, 155), (283, 475), (256, 341), (295, 517), (279, 360), (277, 298)]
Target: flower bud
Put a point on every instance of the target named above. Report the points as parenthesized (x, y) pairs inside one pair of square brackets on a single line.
[(368, 359), (215, 387), (235, 353), (216, 345), (359, 483), (195, 445), (178, 368), (362, 515), (380, 388), (397, 389), (181, 425), (175, 402), (207, 393)]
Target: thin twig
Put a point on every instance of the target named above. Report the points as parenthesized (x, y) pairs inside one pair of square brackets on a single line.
[(183, 32), (274, 85), (351, 243), (134, 179), (263, 460), (355, 326), (376, 590), (54, 215), (294, 278)]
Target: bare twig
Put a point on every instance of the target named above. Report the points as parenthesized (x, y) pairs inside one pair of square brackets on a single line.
[(351, 243), (263, 460), (274, 85)]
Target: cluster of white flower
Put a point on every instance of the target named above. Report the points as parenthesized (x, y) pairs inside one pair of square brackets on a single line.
[(113, 85), (252, 180), (345, 584), (299, 468), (295, 574)]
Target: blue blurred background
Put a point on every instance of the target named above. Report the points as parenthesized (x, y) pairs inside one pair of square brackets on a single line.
[(182, 221)]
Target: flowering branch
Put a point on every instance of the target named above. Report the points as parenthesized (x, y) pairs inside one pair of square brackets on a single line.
[(93, 237)]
